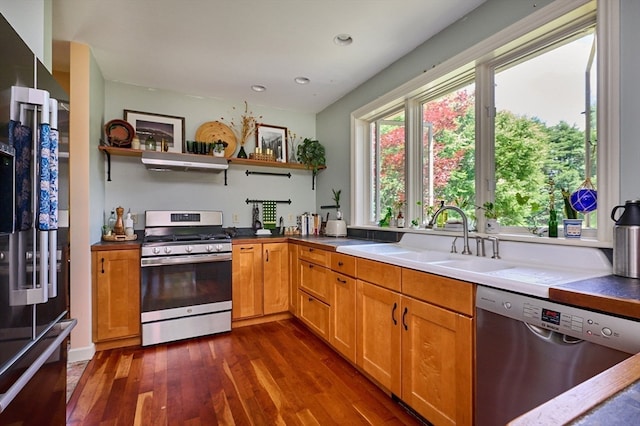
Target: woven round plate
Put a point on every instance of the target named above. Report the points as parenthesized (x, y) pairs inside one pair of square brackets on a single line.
[(119, 133), (211, 131)]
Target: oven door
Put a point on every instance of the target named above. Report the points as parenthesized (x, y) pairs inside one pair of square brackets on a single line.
[(175, 282)]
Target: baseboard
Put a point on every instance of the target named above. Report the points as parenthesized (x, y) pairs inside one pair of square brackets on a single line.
[(81, 354)]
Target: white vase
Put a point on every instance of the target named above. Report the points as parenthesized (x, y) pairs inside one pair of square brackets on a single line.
[(492, 226)]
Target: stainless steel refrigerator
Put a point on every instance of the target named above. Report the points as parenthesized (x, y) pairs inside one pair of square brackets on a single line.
[(34, 279)]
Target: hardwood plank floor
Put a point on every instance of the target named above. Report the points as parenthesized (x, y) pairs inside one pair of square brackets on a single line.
[(277, 373)]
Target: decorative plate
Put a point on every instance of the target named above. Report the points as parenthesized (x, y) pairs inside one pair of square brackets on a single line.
[(119, 133), (211, 131)]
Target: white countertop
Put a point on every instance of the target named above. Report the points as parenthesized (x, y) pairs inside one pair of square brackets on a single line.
[(523, 268)]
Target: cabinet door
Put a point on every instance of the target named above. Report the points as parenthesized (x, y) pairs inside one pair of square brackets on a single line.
[(247, 281), (343, 315), (437, 360), (378, 330), (294, 273), (116, 294), (275, 258), (314, 313)]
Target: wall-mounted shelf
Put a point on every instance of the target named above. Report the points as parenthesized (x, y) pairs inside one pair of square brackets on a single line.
[(130, 152), (261, 163)]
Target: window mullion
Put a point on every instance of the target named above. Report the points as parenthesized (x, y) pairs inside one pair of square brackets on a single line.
[(485, 139), (413, 179)]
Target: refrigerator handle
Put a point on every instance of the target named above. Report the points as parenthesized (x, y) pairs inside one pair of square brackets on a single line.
[(53, 264), (16, 387), (43, 262)]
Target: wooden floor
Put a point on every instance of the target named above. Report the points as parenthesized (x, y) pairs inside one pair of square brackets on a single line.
[(269, 374)]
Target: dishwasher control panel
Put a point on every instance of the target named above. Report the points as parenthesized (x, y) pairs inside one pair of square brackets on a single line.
[(607, 330)]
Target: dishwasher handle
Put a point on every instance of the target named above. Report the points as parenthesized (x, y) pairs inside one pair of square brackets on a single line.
[(552, 336)]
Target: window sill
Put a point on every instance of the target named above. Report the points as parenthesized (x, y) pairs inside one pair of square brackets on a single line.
[(527, 238)]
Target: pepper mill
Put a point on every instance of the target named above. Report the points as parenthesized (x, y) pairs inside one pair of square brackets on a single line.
[(118, 229)]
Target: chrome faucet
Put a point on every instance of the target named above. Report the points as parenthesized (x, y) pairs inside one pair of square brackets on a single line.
[(465, 222)]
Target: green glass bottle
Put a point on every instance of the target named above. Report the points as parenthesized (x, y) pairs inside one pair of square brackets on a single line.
[(553, 224)]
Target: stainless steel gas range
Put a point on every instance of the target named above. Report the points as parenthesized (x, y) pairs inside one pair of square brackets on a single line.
[(185, 276)]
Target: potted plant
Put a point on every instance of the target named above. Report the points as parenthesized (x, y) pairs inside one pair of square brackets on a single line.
[(336, 199), (218, 148), (491, 214), (311, 153)]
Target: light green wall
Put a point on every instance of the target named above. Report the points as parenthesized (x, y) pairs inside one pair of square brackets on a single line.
[(333, 125), (629, 100), (135, 188), (32, 21)]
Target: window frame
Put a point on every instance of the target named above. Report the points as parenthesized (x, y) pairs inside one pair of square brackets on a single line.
[(549, 22)]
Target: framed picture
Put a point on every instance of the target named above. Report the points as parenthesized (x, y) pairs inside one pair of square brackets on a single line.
[(273, 138), (160, 126)]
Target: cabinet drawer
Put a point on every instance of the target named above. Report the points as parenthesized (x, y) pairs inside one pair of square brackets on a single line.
[(379, 273), (445, 292), (344, 264), (314, 313), (315, 280), (321, 257)]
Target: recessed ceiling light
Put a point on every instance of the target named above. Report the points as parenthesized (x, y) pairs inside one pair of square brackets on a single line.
[(258, 88), (301, 80), (343, 39)]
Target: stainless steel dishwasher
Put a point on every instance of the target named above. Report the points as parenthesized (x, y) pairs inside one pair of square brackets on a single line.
[(529, 350)]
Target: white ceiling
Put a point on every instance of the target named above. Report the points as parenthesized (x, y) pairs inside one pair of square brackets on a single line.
[(220, 48)]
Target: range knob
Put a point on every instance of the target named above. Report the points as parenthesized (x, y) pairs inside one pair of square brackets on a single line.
[(188, 249), (167, 250), (218, 247), (209, 248), (156, 250)]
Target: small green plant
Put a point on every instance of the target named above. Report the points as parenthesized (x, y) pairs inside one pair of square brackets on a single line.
[(336, 197), (569, 211), (386, 220), (219, 146), (490, 210), (311, 153)]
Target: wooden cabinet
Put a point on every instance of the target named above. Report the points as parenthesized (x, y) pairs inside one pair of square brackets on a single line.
[(275, 274), (343, 305), (379, 335), (419, 348), (247, 286), (116, 297), (437, 362), (260, 275)]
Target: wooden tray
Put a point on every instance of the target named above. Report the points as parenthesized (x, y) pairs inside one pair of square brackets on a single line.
[(211, 131), (120, 238)]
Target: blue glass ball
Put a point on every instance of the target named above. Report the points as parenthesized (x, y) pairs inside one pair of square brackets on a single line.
[(584, 200)]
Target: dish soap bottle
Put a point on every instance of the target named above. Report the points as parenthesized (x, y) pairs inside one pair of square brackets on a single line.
[(553, 224), (400, 220), (111, 222)]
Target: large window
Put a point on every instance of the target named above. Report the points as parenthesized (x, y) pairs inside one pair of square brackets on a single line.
[(517, 129), (544, 130)]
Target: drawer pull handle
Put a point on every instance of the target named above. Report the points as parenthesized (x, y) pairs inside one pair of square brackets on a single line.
[(340, 264), (102, 261), (341, 280), (246, 248), (310, 266), (393, 313), (311, 299), (404, 314), (310, 250)]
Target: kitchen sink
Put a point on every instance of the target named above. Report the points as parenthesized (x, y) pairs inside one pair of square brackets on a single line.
[(478, 264), (422, 256)]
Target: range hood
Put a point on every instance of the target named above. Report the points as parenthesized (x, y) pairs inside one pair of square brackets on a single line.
[(166, 161)]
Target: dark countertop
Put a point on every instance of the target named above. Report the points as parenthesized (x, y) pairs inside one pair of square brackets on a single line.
[(611, 294)]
